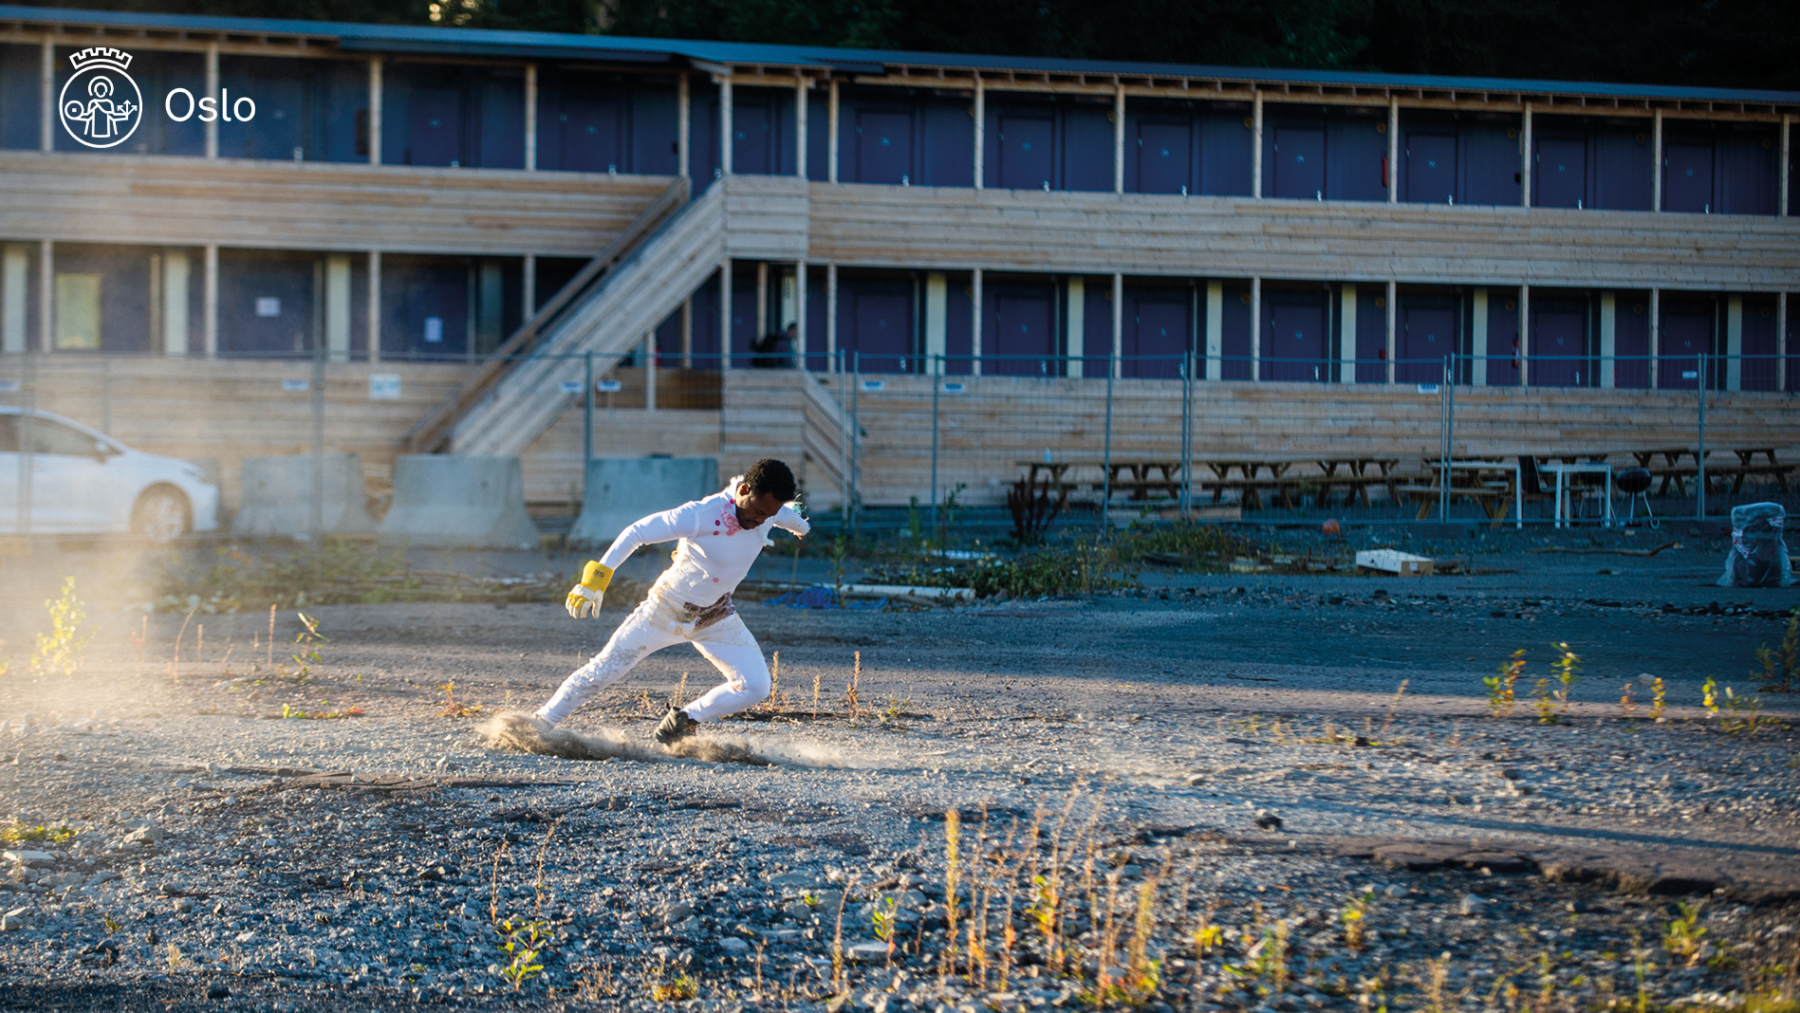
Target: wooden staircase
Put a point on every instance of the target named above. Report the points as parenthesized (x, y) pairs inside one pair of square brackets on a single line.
[(792, 415)]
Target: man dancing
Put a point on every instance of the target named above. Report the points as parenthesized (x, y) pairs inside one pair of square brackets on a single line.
[(719, 538)]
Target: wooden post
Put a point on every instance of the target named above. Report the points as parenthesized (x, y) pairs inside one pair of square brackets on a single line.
[(1787, 151), (1347, 332), (528, 288), (1393, 140), (1256, 328), (975, 328), (1393, 310), (1118, 324), (687, 333), (1609, 343), (1478, 340), (46, 296), (831, 141), (1734, 342), (375, 111), (725, 315), (800, 124), (725, 130), (683, 125), (374, 307), (209, 301), (1525, 160), (650, 371), (1215, 330), (800, 315), (1525, 335), (980, 139), (1656, 162), (1075, 327), (1781, 346), (337, 306), (1655, 333), (1119, 139), (1256, 146), (47, 96), (762, 300), (531, 124), (212, 89), (831, 356), (175, 280)]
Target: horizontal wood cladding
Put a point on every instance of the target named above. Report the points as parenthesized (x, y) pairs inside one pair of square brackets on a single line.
[(315, 205), (1231, 237), (766, 217)]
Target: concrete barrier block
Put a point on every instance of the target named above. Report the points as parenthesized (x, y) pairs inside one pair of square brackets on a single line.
[(457, 501), (276, 500), (622, 489)]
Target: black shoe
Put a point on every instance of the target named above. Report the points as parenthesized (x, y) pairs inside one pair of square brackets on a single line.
[(675, 726)]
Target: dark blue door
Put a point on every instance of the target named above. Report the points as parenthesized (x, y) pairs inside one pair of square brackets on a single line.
[(745, 328), (1026, 158), (1294, 341), (1023, 338), (1157, 338), (1759, 346), (1558, 352), (1686, 336), (753, 141), (1430, 168), (1165, 157), (1299, 162), (279, 125), (590, 134), (1688, 178), (434, 312), (266, 307), (1623, 171), (1427, 335), (882, 321), (1560, 179), (434, 126), (883, 147)]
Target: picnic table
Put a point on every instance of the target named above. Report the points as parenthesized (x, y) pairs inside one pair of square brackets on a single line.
[(1138, 478), (1352, 473), (1492, 485), (1672, 470)]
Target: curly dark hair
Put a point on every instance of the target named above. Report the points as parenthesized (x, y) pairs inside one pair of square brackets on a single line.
[(771, 477)]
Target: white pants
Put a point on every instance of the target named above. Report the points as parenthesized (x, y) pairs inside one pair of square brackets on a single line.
[(657, 624)]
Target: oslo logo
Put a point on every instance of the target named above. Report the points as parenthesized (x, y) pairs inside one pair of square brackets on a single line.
[(101, 105)]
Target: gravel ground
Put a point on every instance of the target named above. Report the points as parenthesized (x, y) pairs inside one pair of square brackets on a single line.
[(1237, 743)]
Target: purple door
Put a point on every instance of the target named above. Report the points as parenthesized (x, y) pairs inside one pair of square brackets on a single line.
[(1685, 337), (883, 147), (1299, 157), (1165, 157), (1156, 337), (1427, 335), (1759, 346), (1688, 178), (881, 319), (590, 134), (1026, 161), (1294, 341), (753, 140), (1560, 178), (745, 328), (1430, 168), (434, 126), (1023, 341), (1558, 352), (1748, 178)]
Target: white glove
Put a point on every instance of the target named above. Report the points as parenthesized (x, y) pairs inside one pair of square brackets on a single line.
[(583, 602)]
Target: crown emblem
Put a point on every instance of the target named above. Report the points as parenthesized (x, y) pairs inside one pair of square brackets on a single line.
[(101, 56)]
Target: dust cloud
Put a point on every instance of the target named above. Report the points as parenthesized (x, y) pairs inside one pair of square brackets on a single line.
[(525, 733)]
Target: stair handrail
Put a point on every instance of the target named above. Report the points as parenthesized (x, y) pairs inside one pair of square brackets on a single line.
[(430, 433)]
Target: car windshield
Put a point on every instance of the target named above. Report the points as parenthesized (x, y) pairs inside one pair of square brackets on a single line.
[(55, 438)]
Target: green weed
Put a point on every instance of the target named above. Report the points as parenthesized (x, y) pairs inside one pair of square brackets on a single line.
[(18, 832), (1781, 668), (1684, 939), (523, 943), (59, 651), (1354, 917), (306, 643), (1502, 695)]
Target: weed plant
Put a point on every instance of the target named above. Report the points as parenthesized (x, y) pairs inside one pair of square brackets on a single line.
[(59, 651), (1781, 668)]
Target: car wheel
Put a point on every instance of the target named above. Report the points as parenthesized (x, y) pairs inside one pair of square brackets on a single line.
[(161, 515)]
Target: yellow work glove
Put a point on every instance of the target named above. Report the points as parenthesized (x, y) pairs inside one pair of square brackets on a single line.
[(584, 598)]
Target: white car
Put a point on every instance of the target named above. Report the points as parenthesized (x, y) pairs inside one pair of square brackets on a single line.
[(84, 482)]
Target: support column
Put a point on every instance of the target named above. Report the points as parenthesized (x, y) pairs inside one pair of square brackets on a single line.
[(1076, 326), (1256, 328), (1781, 345), (531, 124), (1656, 162), (725, 315), (1609, 344), (1119, 139), (1734, 342), (337, 306), (1215, 330), (687, 333), (725, 129), (831, 356), (528, 288), (375, 111), (1524, 335), (800, 315), (937, 322), (683, 125), (1393, 311), (980, 136), (762, 301), (1393, 156), (1525, 158), (1118, 325), (975, 327), (1787, 154), (1655, 333), (209, 301), (1478, 340), (374, 307), (650, 371), (47, 96), (800, 84), (1256, 147), (1347, 333), (47, 295), (15, 282), (831, 141), (212, 89)]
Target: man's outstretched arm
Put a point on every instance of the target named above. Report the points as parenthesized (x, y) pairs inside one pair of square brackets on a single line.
[(584, 598)]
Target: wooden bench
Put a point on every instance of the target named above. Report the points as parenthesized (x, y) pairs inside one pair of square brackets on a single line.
[(1494, 498)]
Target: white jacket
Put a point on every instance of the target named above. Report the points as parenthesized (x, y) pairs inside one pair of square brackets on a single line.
[(714, 553)]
